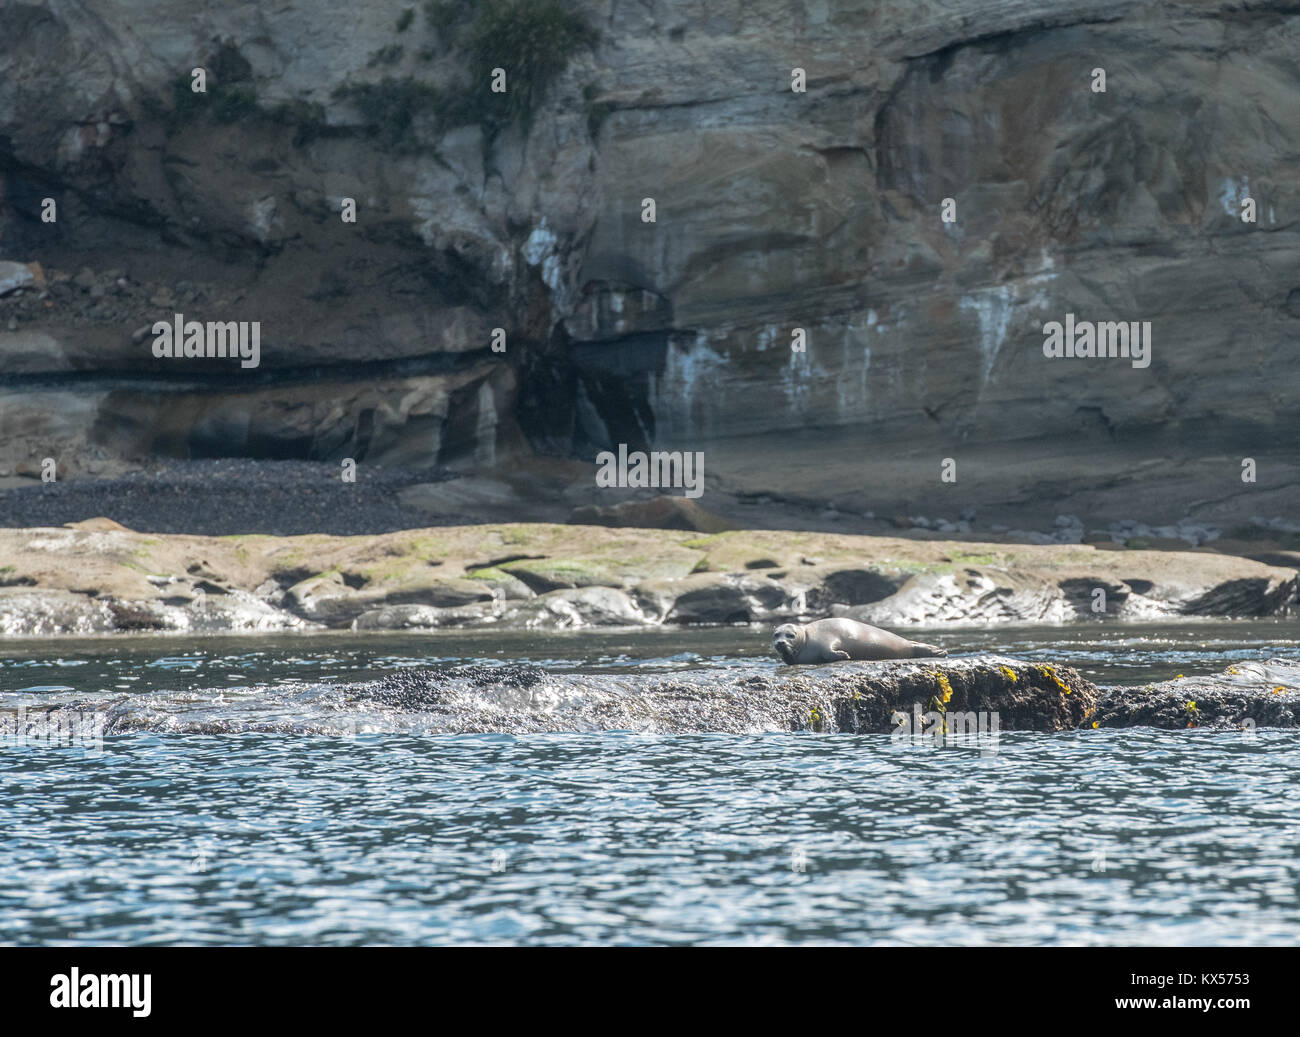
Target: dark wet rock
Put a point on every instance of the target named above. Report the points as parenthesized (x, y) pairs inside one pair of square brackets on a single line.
[(713, 598), (862, 698), (134, 616), (1245, 696), (1246, 597), (705, 598), (981, 695), (656, 513), (856, 587), (422, 688), (714, 602)]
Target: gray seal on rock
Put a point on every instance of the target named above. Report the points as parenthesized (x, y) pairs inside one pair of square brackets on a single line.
[(831, 640)]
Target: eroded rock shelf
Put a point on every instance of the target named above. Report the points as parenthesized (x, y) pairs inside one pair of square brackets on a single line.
[(97, 577)]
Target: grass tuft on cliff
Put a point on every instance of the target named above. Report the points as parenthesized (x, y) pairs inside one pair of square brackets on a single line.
[(533, 41), (392, 107)]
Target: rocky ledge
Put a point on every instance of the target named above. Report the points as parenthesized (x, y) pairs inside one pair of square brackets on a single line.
[(1242, 697), (955, 702), (98, 577), (976, 696)]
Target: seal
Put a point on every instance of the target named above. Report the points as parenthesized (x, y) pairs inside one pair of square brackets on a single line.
[(831, 640)]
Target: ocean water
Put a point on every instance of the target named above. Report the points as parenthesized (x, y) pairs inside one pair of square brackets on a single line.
[(275, 833)]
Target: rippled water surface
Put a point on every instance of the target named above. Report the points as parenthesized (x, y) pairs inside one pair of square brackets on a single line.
[(1105, 837)]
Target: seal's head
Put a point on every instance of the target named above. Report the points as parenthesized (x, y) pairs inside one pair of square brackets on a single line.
[(787, 639)]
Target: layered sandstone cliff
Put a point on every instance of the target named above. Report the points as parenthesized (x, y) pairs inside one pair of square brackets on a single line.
[(775, 210)]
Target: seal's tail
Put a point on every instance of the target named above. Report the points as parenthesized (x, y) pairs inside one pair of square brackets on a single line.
[(920, 651)]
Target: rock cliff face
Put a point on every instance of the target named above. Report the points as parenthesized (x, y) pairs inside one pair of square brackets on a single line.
[(775, 210)]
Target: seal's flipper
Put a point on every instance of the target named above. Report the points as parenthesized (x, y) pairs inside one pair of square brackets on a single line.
[(921, 651)]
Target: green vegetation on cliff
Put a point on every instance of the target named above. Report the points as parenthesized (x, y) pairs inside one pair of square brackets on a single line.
[(531, 41)]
